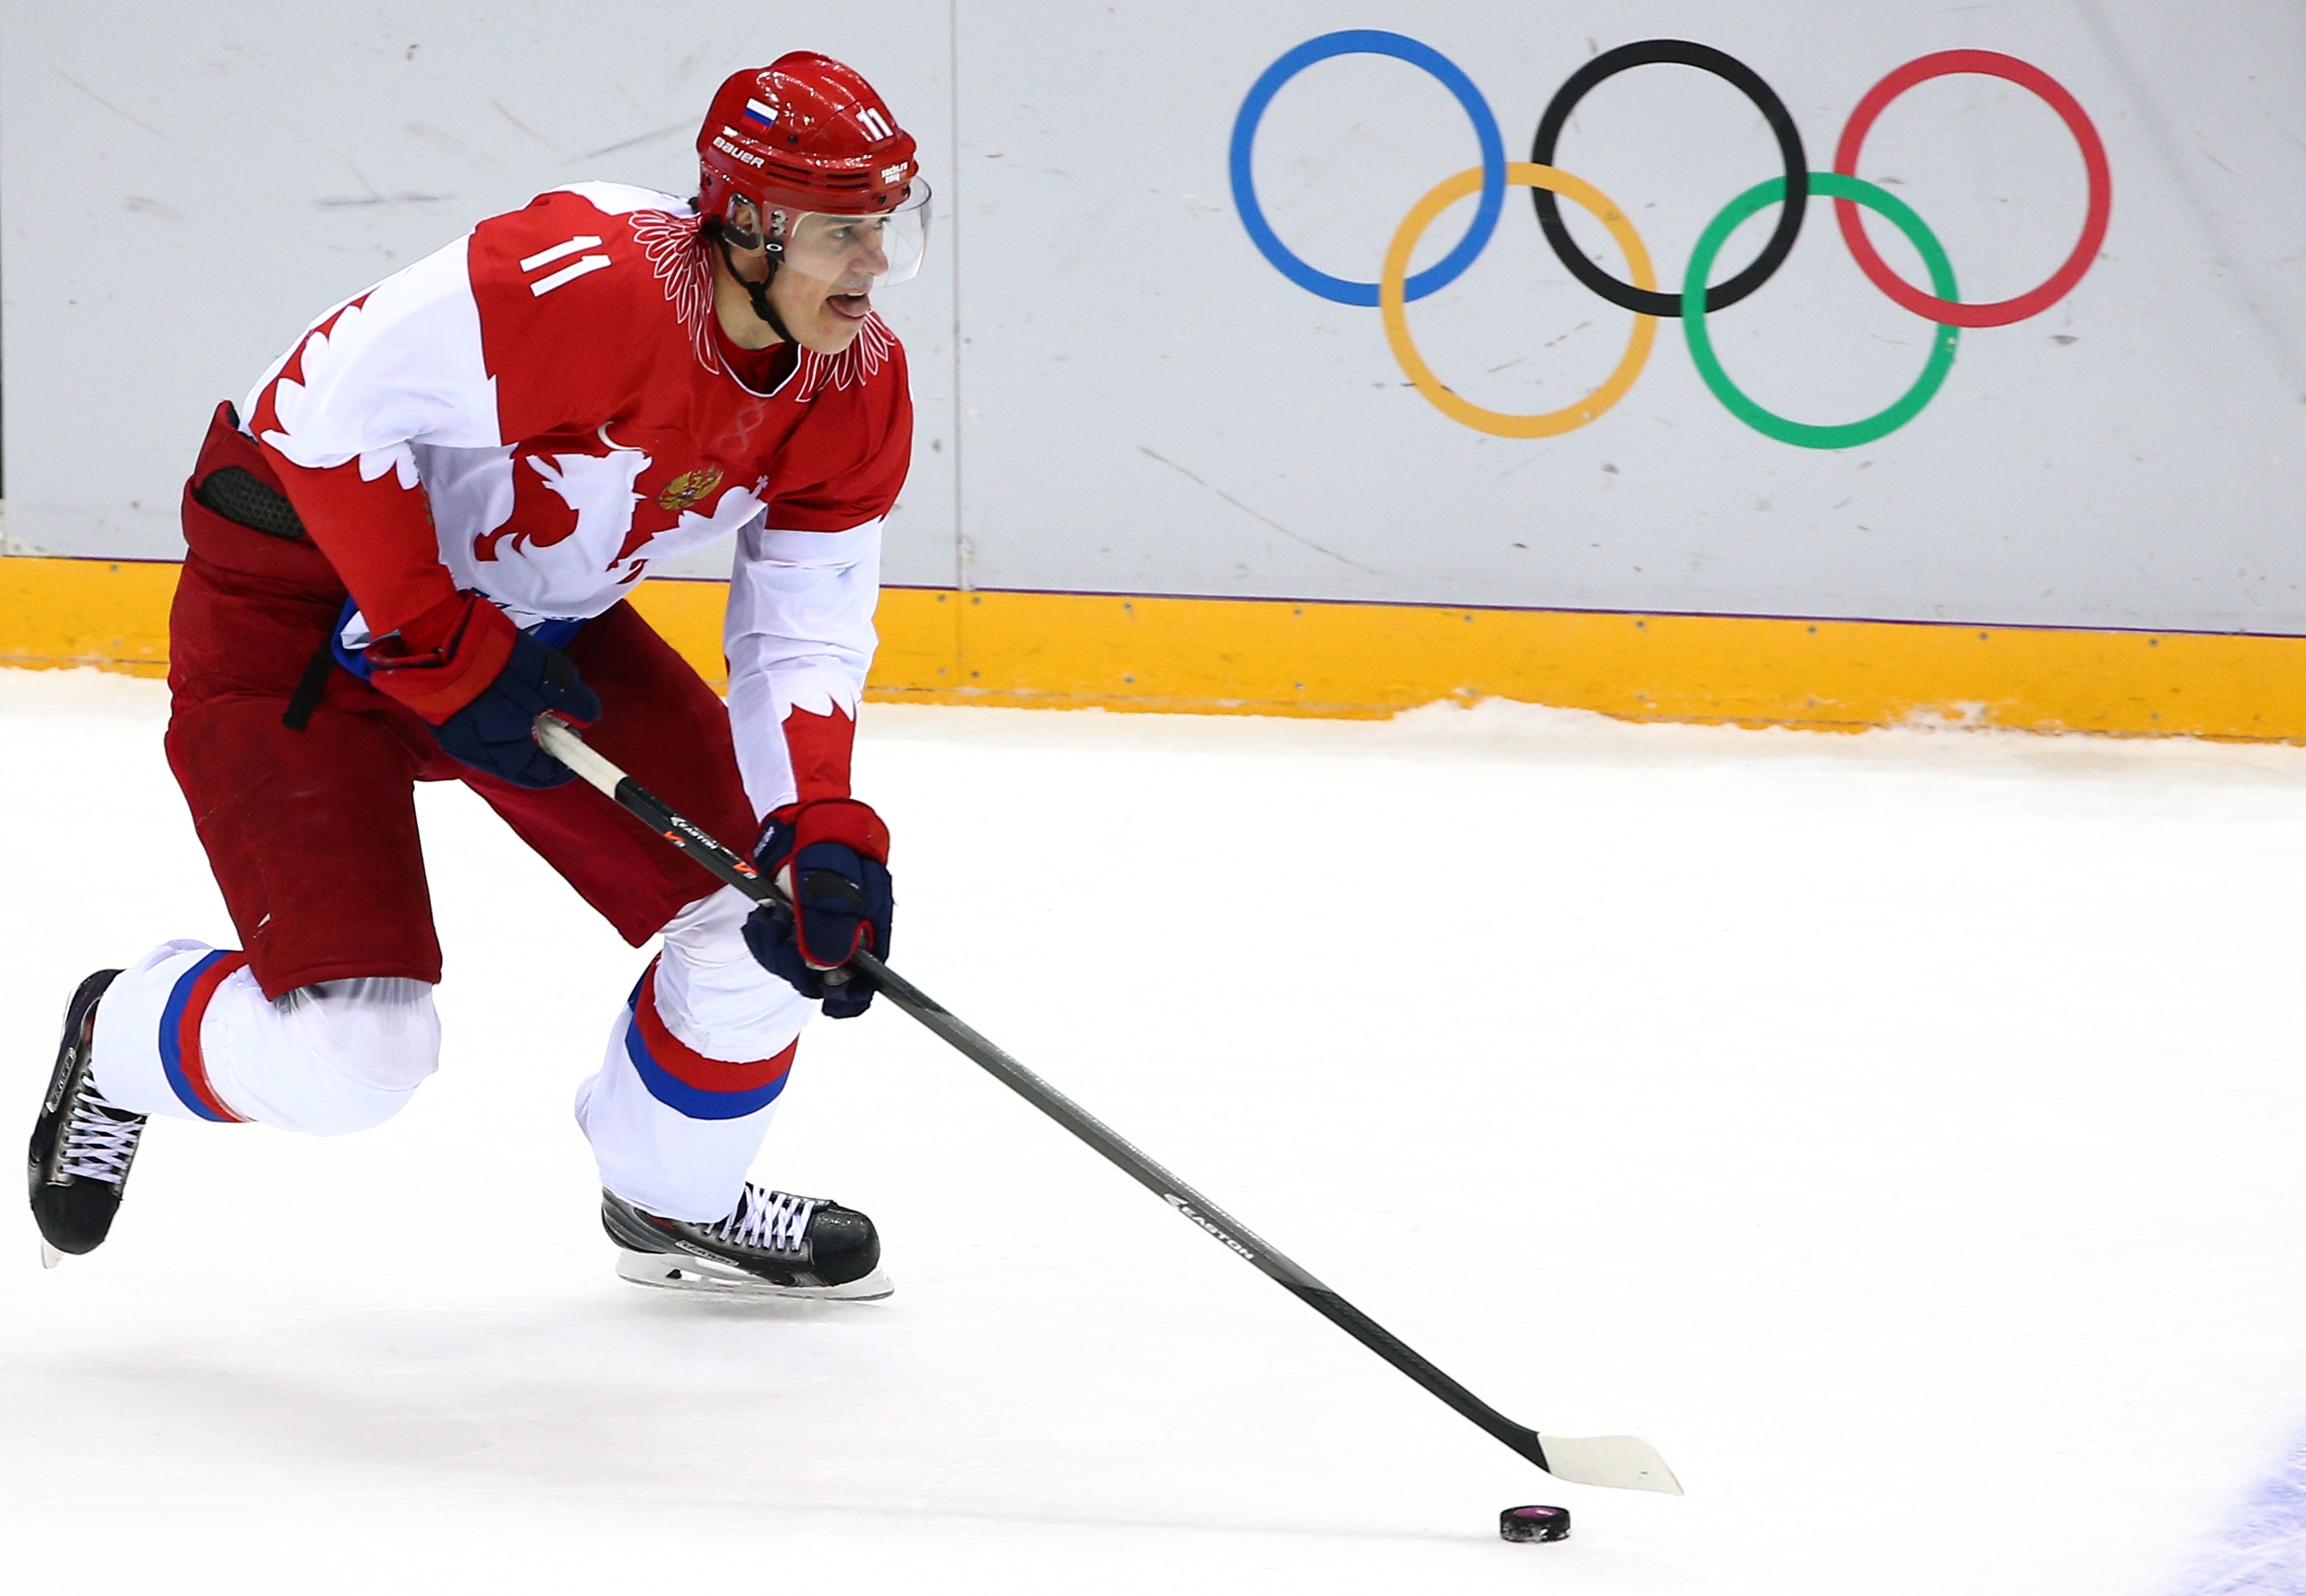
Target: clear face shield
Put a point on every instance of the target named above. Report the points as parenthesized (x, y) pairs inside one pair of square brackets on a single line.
[(853, 254)]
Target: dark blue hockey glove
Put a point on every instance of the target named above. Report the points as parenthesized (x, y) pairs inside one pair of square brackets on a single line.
[(480, 681), (492, 733), (830, 857)]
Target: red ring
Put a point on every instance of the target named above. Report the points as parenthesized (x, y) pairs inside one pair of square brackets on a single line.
[(1993, 64)]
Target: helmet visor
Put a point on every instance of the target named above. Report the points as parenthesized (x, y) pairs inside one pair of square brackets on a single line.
[(854, 254)]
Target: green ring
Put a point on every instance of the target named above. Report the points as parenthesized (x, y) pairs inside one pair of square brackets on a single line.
[(1849, 434)]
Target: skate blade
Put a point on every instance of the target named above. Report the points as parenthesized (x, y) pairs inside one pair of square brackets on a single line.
[(678, 1271), (49, 1257)]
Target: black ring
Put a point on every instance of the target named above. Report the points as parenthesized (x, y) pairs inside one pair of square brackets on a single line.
[(1680, 52)]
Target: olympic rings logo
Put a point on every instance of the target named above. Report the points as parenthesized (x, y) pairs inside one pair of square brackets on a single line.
[(1695, 300)]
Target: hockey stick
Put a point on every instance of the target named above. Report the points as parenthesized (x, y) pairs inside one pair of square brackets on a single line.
[(1622, 1461)]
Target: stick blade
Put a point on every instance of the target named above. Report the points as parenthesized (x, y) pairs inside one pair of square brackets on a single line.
[(1625, 1462)]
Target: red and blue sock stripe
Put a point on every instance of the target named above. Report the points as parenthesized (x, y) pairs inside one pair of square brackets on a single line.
[(180, 1036), (687, 1082)]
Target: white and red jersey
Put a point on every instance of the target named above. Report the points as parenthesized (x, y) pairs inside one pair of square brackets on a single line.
[(546, 406)]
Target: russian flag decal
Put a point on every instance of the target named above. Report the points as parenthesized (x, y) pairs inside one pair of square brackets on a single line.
[(766, 115)]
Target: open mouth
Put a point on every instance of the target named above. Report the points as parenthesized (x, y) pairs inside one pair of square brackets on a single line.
[(849, 307)]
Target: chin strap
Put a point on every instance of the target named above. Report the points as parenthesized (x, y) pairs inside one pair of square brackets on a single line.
[(759, 293)]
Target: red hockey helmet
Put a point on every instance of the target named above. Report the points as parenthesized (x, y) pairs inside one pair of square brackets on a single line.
[(805, 133), (829, 178)]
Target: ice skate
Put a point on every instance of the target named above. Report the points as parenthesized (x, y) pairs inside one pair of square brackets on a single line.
[(775, 1245), (82, 1144)]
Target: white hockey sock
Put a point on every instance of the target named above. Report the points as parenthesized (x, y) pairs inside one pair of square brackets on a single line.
[(695, 1065), (187, 1032)]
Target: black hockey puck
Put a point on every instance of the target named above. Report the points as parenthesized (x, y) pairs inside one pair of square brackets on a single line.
[(1535, 1524)]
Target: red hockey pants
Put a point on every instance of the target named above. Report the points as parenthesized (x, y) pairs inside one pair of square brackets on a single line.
[(313, 833)]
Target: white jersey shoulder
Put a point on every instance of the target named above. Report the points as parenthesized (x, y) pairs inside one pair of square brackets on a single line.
[(401, 362)]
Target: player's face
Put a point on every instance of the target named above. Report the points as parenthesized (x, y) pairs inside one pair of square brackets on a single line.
[(830, 264), (823, 287)]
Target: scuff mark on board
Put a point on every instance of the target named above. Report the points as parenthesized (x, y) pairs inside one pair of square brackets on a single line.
[(1254, 515)]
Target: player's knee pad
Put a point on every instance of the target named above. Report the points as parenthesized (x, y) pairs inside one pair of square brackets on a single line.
[(330, 1058), (714, 993), (709, 931), (380, 1032)]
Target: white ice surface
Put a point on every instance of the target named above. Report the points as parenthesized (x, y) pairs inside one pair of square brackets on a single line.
[(1907, 1133)]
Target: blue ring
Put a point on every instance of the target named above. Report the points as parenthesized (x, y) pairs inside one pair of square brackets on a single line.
[(1364, 41)]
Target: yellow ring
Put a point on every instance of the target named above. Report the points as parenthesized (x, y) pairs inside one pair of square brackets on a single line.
[(1393, 306)]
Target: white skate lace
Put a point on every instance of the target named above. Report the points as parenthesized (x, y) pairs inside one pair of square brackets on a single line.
[(97, 1145), (772, 1221)]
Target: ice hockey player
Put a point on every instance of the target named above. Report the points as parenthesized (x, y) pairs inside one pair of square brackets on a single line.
[(416, 536)]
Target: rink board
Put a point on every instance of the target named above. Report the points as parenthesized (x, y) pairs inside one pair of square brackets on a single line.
[(1126, 652), (1147, 349)]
